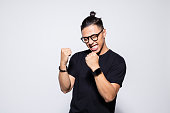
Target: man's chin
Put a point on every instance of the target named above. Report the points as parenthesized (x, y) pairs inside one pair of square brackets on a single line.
[(96, 51)]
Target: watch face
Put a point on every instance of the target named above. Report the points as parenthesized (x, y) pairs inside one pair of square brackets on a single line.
[(97, 72)]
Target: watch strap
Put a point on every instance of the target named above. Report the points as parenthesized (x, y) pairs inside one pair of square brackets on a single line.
[(63, 70), (97, 72)]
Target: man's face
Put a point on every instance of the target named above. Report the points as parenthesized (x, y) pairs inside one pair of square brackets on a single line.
[(95, 46)]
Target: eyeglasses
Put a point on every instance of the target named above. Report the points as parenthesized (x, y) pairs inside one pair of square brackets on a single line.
[(94, 37)]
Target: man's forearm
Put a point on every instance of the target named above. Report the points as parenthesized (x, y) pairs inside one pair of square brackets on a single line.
[(64, 80), (105, 88)]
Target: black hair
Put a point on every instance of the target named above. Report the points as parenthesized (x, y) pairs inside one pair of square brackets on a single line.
[(92, 20)]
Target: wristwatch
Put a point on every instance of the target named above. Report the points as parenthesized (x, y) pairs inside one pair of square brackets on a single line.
[(63, 70), (97, 72)]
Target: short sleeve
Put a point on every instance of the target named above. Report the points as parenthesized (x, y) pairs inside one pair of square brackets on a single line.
[(117, 73), (72, 66)]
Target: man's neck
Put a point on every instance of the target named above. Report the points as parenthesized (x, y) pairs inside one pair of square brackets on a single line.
[(104, 50)]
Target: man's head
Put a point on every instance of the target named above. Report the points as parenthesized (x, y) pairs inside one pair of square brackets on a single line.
[(93, 33)]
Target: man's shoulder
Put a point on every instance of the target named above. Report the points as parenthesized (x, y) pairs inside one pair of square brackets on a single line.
[(116, 57), (81, 54)]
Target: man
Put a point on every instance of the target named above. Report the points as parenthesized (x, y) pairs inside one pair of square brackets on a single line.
[(95, 74)]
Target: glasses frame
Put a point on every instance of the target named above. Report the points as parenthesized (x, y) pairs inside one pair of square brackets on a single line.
[(91, 37)]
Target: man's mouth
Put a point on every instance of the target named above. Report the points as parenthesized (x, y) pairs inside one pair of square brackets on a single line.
[(94, 47)]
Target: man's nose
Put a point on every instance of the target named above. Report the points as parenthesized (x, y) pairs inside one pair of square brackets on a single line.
[(90, 41)]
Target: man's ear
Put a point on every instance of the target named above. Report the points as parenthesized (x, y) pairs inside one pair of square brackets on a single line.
[(104, 33)]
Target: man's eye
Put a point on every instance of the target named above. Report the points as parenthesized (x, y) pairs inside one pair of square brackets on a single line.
[(94, 36), (85, 39)]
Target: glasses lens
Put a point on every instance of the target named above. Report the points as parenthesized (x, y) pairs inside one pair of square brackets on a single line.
[(85, 39), (94, 37)]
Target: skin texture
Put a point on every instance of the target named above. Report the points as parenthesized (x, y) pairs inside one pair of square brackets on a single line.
[(106, 89)]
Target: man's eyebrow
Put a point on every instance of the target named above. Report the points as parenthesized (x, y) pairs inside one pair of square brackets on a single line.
[(90, 36)]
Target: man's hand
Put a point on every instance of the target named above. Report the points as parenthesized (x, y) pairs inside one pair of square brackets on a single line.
[(65, 53), (92, 60)]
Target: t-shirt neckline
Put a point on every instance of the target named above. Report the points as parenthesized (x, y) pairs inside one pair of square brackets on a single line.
[(104, 53)]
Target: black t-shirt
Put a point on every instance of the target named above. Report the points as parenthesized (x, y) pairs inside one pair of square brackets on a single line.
[(86, 98)]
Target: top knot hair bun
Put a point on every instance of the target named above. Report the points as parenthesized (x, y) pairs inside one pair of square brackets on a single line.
[(92, 20), (92, 13)]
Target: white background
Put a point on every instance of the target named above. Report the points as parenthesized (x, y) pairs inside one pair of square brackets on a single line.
[(32, 32)]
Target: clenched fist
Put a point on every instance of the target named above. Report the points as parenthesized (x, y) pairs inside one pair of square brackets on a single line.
[(92, 60), (65, 53)]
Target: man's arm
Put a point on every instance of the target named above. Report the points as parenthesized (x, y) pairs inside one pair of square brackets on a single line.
[(106, 89), (66, 81)]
